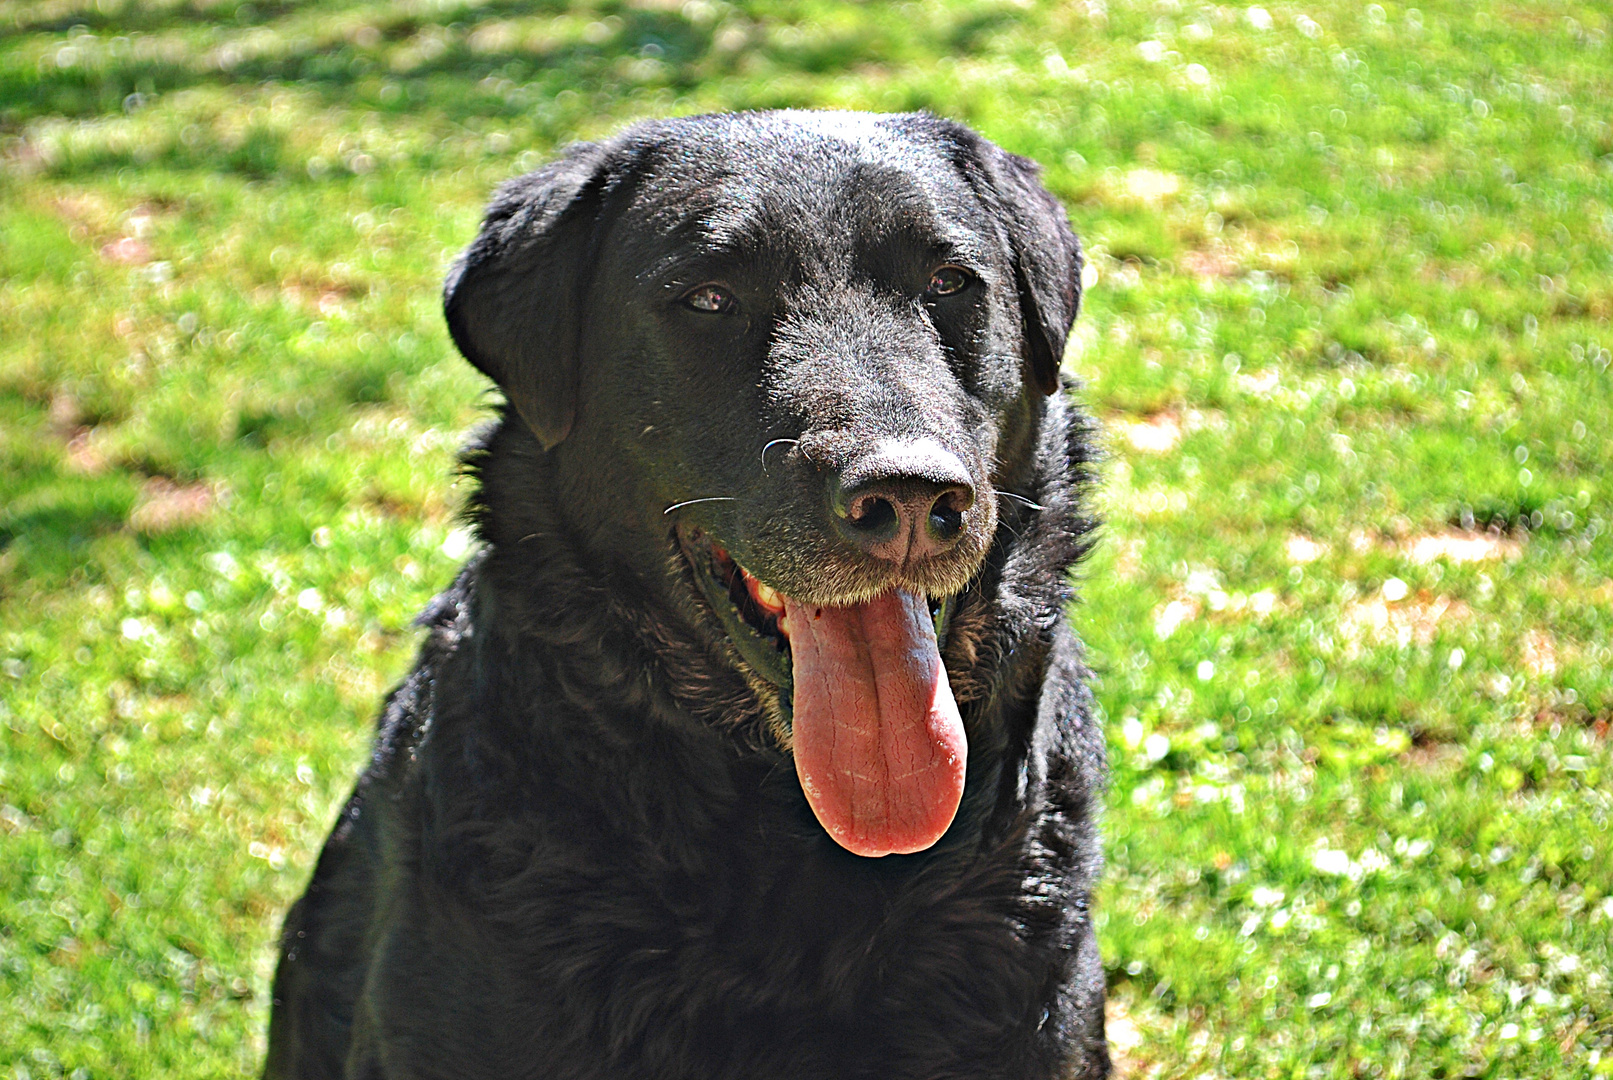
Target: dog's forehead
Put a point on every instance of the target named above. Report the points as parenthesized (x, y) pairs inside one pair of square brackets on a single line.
[(807, 178)]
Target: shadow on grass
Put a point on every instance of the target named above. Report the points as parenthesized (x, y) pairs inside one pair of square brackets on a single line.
[(392, 60), (55, 522)]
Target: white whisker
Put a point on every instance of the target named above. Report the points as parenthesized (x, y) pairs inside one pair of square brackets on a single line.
[(776, 442), (1021, 499), (691, 502)]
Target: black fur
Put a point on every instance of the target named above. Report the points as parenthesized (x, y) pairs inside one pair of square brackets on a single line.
[(580, 849)]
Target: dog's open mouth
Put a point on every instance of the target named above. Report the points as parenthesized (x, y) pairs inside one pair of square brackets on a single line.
[(754, 614), (877, 736)]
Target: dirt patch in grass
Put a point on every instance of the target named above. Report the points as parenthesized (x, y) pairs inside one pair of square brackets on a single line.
[(164, 505), (1430, 753), (1140, 186), (85, 213), (1210, 265), (1124, 1038), (66, 417), (1415, 620), (1260, 383), (127, 250), (1452, 546), (83, 454), (1302, 549), (1128, 558), (1157, 434), (1539, 652), (1460, 547), (1168, 618)]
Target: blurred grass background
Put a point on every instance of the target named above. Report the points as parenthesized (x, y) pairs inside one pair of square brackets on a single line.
[(1347, 326)]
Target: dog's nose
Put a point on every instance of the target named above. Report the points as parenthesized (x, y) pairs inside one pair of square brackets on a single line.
[(903, 500)]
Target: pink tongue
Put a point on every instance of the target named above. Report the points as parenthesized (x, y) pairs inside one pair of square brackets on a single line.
[(879, 743)]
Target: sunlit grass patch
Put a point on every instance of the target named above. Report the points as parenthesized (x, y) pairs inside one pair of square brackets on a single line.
[(1346, 326)]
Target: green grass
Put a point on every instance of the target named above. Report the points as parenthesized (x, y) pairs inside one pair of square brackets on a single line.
[(1352, 277)]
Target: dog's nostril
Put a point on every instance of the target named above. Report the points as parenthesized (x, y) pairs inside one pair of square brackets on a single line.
[(946, 516), (874, 515)]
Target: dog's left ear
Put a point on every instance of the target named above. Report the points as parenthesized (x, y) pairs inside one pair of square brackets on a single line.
[(512, 299), (1046, 255)]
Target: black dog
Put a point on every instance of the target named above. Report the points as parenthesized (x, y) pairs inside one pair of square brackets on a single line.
[(754, 745)]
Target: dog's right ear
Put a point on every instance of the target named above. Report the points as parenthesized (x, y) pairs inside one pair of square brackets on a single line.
[(513, 298), (1046, 254)]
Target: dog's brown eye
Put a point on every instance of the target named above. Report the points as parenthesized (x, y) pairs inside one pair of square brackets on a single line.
[(948, 280), (711, 299)]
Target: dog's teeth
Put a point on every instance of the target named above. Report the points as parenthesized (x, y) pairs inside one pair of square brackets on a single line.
[(784, 625), (768, 598)]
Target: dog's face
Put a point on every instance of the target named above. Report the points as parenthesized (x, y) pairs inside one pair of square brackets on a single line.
[(803, 351)]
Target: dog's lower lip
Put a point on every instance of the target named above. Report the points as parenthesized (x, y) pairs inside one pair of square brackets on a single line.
[(753, 612)]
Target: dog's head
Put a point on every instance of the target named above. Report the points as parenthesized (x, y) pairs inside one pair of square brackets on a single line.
[(807, 351)]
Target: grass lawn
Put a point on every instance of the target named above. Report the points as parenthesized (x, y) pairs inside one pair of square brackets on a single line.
[(1347, 324)]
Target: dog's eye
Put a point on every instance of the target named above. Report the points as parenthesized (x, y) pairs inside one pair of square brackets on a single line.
[(711, 299), (948, 280)]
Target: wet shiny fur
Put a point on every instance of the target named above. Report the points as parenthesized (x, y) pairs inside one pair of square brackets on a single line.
[(580, 849)]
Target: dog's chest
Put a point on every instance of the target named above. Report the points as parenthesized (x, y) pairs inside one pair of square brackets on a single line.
[(801, 960)]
